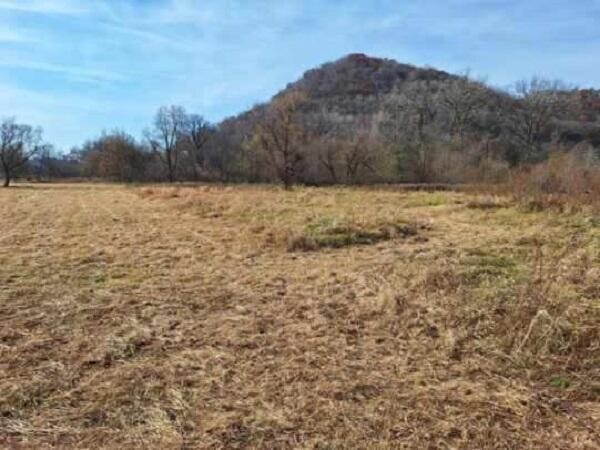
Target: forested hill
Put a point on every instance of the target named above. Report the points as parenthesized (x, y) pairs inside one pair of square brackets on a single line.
[(352, 88), (425, 124), (357, 83)]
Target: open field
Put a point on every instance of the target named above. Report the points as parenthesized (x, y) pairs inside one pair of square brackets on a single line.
[(251, 317)]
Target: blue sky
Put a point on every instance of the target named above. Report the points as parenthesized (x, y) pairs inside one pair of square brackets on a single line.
[(78, 67)]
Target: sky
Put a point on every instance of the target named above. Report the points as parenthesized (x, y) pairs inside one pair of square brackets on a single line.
[(79, 67)]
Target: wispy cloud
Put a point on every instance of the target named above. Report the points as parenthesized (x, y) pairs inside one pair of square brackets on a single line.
[(74, 73), (149, 37), (65, 7)]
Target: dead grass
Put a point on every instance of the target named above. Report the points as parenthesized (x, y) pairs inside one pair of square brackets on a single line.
[(178, 317)]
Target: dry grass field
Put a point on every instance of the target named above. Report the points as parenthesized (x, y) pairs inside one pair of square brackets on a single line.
[(330, 318)]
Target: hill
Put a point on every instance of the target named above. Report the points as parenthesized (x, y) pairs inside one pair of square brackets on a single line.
[(358, 84), (350, 89)]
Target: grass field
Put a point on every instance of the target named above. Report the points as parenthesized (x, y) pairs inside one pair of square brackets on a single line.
[(251, 317)]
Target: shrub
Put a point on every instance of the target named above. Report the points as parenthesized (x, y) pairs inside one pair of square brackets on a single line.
[(565, 182)]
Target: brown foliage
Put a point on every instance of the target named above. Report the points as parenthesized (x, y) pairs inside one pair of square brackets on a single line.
[(567, 181), (281, 136)]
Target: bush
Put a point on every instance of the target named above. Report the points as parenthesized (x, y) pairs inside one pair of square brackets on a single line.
[(567, 181)]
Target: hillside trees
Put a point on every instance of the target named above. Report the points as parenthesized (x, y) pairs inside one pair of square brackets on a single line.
[(411, 127), (449, 130), (196, 133), (225, 153), (529, 120), (281, 135), (462, 99), (328, 151), (346, 159), (19, 143), (360, 157)]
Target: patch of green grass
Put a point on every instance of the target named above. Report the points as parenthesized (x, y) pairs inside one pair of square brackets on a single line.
[(100, 279), (488, 203), (331, 232), (481, 266), (429, 199), (560, 382), (499, 262), (323, 224)]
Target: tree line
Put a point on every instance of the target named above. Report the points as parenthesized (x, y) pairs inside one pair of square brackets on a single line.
[(452, 131)]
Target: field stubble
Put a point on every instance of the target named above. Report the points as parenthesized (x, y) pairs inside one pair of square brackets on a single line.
[(217, 316)]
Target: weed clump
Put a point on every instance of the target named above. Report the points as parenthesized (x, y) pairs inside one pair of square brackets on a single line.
[(329, 234), (488, 203), (566, 183)]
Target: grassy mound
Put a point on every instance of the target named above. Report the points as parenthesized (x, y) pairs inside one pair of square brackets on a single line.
[(331, 234)]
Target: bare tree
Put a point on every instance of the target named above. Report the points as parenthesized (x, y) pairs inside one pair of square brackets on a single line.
[(198, 132), (462, 99), (329, 152), (282, 135), (18, 144), (529, 121), (411, 127), (224, 152), (360, 154), (165, 138), (328, 145)]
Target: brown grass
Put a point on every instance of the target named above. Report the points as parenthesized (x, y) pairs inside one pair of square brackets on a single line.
[(178, 317)]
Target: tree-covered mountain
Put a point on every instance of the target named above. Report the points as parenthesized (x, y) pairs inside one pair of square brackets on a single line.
[(415, 124), (353, 88)]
